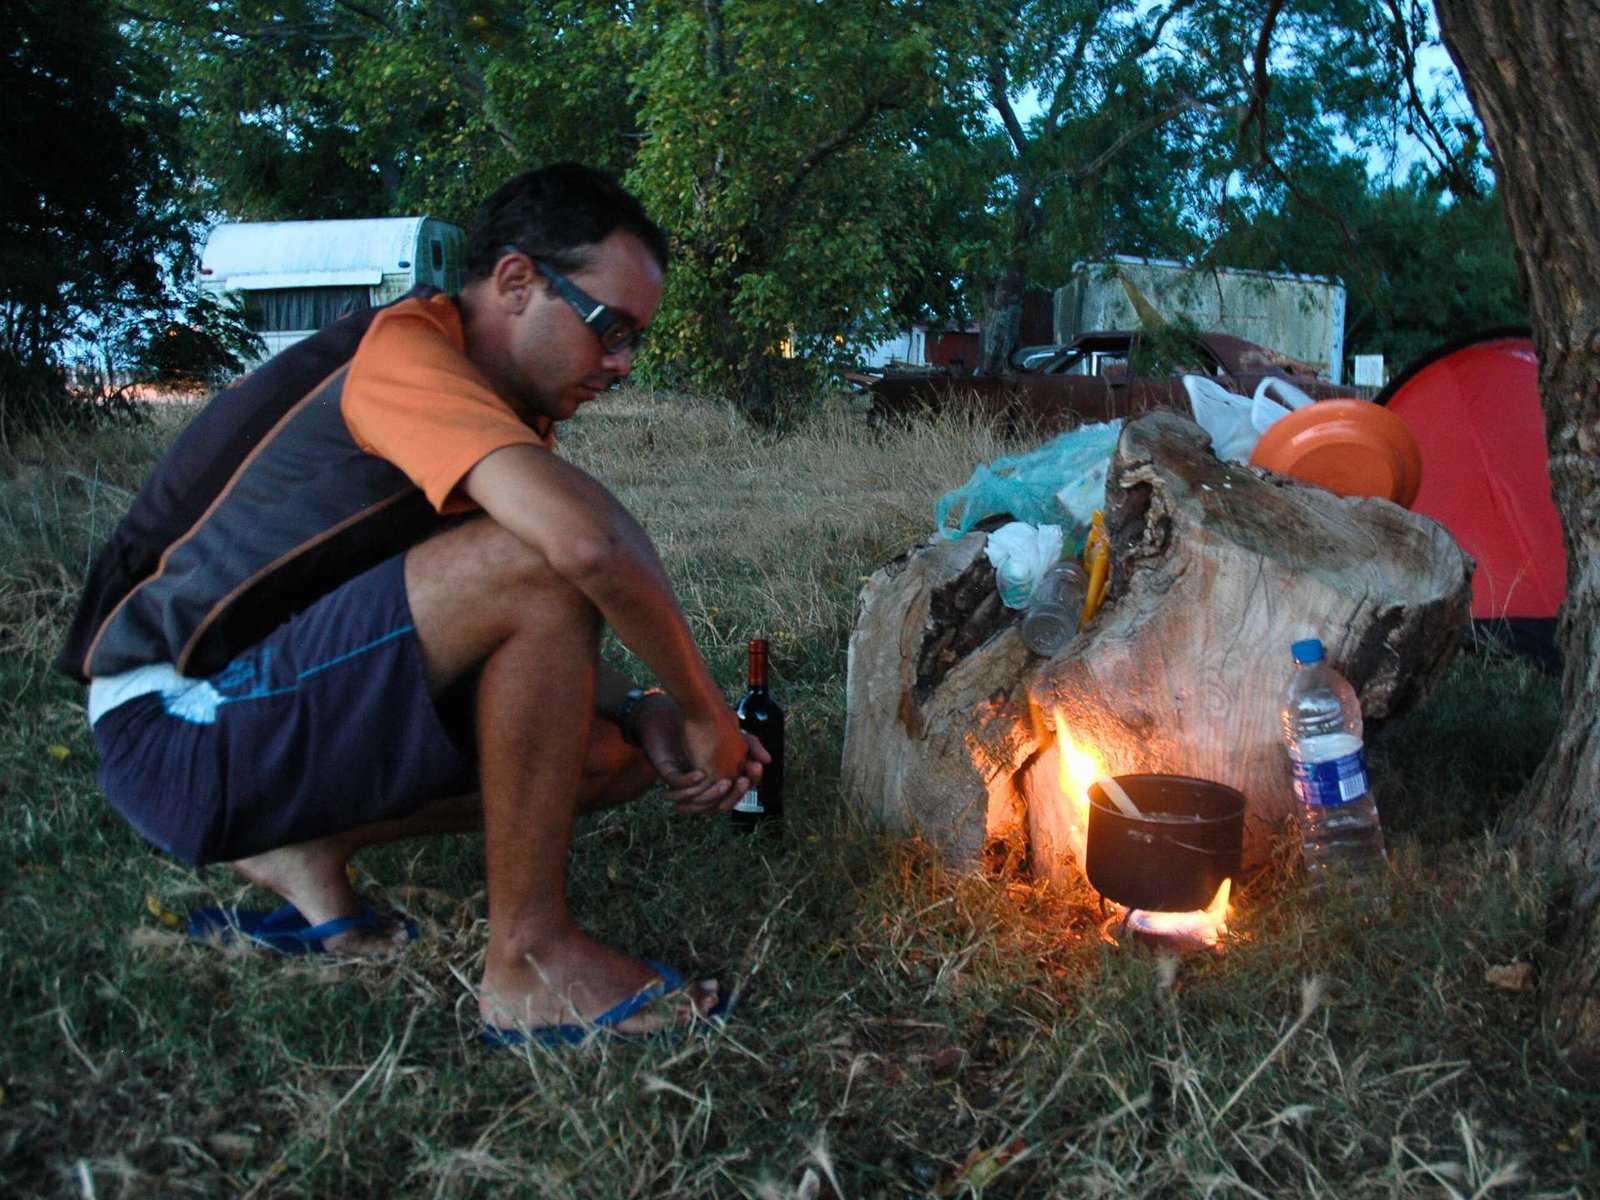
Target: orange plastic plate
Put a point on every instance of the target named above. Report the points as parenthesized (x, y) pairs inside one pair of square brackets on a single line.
[(1350, 447)]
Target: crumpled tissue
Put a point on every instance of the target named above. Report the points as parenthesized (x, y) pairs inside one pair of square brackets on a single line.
[(1021, 554)]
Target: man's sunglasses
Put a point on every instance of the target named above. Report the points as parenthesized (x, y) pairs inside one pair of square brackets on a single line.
[(615, 333)]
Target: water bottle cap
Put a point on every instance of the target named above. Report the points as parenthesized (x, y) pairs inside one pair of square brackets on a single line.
[(1307, 652)]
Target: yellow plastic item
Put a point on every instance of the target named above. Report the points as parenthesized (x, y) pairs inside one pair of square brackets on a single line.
[(1097, 558), (154, 906)]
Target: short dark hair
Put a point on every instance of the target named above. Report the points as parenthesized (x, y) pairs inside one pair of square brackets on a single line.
[(557, 213)]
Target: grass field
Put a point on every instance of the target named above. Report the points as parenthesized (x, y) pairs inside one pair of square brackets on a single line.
[(905, 1031)]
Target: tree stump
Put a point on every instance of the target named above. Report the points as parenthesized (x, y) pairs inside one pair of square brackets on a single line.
[(953, 725)]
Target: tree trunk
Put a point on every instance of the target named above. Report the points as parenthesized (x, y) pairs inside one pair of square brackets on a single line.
[(1532, 70), (1002, 321), (952, 725), (1002, 300)]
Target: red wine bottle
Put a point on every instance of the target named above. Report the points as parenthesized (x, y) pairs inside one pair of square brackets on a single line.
[(761, 715)]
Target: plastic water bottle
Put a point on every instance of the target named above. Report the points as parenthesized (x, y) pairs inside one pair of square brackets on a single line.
[(1339, 829), (1055, 608)]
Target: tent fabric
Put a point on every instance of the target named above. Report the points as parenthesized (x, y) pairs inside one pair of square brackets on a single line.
[(1474, 408)]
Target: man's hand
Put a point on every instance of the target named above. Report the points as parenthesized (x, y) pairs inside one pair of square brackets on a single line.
[(706, 764)]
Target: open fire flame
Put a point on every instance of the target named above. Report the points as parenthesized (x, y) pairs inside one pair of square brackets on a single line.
[(1201, 929), (1080, 766)]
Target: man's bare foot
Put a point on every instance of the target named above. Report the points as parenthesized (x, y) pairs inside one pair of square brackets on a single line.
[(312, 876), (575, 981)]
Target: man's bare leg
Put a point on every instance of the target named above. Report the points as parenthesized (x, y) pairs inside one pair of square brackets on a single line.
[(313, 876), (535, 715), (480, 598)]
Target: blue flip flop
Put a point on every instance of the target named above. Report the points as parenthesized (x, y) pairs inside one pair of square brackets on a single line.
[(606, 1023), (283, 932)]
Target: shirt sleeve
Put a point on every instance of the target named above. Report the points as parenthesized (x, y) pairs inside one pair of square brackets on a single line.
[(412, 397)]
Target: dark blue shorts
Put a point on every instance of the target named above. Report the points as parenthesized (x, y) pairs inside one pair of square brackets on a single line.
[(324, 727)]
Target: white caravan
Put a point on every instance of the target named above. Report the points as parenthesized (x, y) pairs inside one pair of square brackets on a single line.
[(296, 276)]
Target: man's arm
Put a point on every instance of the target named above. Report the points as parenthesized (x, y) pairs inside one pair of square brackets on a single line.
[(655, 725), (611, 689), (592, 542)]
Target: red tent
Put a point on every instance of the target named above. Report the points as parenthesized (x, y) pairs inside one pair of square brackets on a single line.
[(1475, 411)]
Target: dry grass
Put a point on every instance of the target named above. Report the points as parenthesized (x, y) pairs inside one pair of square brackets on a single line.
[(905, 1031)]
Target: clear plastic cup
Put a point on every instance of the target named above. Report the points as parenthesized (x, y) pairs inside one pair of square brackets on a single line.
[(1055, 608)]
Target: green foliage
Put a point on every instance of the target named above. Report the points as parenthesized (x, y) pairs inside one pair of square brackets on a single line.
[(763, 135), (265, 136), (1421, 267), (1166, 130), (318, 109), (459, 97), (197, 348), (829, 172), (89, 200), (1094, 162), (777, 149), (1147, 118), (1464, 278), (1168, 349)]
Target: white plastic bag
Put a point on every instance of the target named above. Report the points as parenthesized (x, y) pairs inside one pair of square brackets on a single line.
[(1285, 392), (1236, 422), (1021, 554), (1225, 415), (1265, 412)]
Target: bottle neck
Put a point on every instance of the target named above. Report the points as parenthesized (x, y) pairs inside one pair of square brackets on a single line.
[(758, 666)]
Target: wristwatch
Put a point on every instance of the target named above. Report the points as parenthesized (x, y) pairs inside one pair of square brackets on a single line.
[(628, 710)]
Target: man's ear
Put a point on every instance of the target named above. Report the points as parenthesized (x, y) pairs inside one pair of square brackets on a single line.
[(514, 278)]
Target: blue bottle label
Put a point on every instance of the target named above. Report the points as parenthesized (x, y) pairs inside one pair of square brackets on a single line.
[(1331, 783)]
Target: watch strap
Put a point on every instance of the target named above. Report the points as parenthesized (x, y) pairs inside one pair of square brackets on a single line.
[(628, 712)]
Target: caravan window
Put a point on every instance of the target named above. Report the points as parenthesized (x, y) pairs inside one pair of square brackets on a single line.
[(287, 310), (438, 255)]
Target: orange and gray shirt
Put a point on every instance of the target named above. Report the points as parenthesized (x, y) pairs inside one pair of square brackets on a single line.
[(344, 450)]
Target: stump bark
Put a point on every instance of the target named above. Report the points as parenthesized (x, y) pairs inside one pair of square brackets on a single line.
[(953, 724)]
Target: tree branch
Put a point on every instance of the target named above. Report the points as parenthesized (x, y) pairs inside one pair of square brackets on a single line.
[(376, 18), (1002, 104), (1135, 50), (1153, 38), (716, 36), (1436, 145), (472, 79), (1133, 133), (870, 112), (1261, 78), (1309, 200), (783, 201), (1069, 80)]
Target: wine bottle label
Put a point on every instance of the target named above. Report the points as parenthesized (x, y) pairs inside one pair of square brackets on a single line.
[(1330, 783), (750, 802)]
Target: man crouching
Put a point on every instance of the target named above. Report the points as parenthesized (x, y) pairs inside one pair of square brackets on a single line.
[(360, 599)]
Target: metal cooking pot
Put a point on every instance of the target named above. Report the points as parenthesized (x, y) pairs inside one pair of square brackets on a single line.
[(1174, 857)]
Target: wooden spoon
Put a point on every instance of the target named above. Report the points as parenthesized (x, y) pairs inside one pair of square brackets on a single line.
[(1111, 788)]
